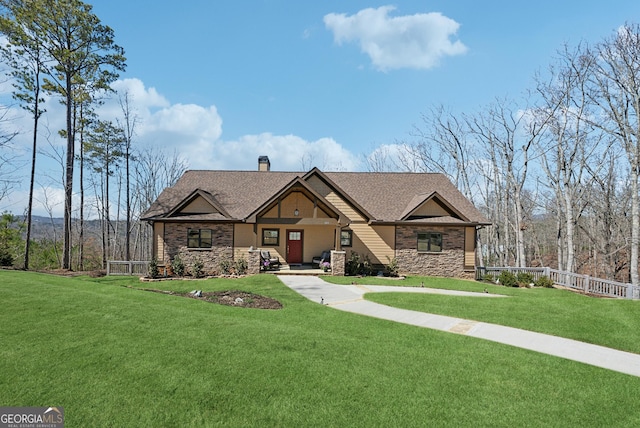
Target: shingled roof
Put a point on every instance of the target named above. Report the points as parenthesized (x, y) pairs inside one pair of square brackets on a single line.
[(385, 197)]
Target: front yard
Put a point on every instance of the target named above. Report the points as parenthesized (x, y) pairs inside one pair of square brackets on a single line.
[(118, 356)]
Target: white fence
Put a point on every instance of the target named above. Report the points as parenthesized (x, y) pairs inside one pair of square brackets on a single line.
[(584, 283), (115, 267)]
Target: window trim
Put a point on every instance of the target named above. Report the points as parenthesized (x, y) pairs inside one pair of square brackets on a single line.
[(199, 238), (277, 237), (350, 237), (428, 237)]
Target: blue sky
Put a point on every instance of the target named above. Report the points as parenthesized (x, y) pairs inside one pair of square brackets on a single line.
[(226, 81)]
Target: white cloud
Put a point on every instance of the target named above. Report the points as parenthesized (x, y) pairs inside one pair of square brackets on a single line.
[(412, 41), (286, 153), (192, 131)]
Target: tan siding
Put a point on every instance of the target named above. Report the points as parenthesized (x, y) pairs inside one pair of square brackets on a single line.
[(199, 206), (469, 247), (375, 241), (272, 213), (158, 241), (302, 203), (334, 199), (430, 208), (316, 240), (243, 238)]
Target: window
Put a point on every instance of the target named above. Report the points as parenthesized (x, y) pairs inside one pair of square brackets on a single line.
[(199, 238), (430, 242), (346, 238), (271, 237)]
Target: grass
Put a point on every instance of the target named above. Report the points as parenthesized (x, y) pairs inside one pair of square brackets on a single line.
[(614, 323), (117, 356)]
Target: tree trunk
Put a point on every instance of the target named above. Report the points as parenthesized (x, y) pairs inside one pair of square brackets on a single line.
[(36, 116), (68, 185)]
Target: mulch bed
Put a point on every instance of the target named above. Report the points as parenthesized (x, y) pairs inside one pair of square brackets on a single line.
[(237, 298)]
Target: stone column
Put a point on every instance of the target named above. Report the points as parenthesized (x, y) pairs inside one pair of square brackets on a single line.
[(253, 263), (338, 259)]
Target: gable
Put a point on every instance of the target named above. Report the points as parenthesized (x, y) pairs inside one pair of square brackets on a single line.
[(198, 206), (430, 208), (298, 196), (293, 201), (333, 197)]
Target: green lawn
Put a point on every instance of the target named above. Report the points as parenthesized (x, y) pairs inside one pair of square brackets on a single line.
[(117, 356), (614, 323)]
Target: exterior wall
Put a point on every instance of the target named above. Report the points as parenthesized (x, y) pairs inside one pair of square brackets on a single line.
[(243, 239), (294, 201), (175, 242), (375, 241), (470, 248), (199, 206), (449, 262), (158, 242), (431, 208)]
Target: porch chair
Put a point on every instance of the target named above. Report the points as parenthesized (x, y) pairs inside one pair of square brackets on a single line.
[(265, 256), (325, 257)]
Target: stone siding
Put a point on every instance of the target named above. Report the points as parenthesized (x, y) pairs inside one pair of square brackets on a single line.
[(175, 241), (253, 263), (338, 259), (449, 262)]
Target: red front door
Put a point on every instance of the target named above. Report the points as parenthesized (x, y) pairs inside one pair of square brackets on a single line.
[(294, 246)]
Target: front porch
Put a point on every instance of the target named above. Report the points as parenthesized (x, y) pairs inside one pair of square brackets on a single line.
[(302, 269), (256, 265)]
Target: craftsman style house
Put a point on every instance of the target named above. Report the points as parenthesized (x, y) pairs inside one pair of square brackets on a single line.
[(420, 220)]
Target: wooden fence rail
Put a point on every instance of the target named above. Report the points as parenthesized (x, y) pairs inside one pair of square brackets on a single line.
[(116, 267), (584, 283)]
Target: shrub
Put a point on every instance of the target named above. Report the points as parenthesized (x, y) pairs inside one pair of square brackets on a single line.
[(198, 267), (241, 266), (153, 268), (6, 258), (525, 278), (392, 268), (544, 281), (353, 264), (365, 267), (177, 266), (225, 266), (489, 278), (508, 279)]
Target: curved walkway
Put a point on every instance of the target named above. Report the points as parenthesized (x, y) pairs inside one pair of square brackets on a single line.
[(349, 298)]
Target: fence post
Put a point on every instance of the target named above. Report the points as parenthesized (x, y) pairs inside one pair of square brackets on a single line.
[(629, 291), (108, 267), (586, 284)]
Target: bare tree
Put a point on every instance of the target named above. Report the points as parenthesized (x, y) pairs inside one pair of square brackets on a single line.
[(614, 87), (443, 146), (506, 135), (9, 158), (571, 145), (128, 126), (380, 160)]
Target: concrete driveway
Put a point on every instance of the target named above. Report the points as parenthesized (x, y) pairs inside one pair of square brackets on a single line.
[(349, 298)]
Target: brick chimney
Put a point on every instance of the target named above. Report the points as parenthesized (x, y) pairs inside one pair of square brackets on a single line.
[(264, 164)]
